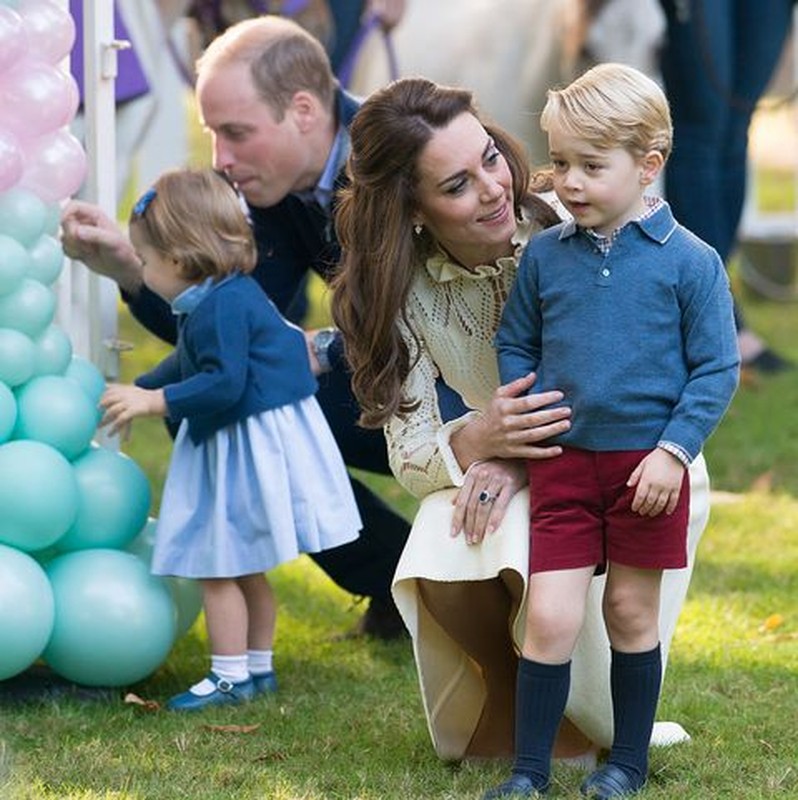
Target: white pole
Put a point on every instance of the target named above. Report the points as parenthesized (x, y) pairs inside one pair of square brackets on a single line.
[(92, 320)]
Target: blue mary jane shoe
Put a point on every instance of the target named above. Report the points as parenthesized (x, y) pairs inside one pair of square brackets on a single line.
[(516, 787), (265, 683), (225, 693), (610, 782)]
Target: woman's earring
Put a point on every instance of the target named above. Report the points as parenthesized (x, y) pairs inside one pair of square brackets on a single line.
[(417, 228)]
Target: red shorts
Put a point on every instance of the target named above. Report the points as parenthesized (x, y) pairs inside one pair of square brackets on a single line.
[(580, 514)]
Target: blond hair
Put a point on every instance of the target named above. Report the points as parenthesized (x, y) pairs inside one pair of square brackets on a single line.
[(283, 59), (613, 105), (196, 217)]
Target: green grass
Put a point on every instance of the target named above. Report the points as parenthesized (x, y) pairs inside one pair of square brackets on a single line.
[(347, 722)]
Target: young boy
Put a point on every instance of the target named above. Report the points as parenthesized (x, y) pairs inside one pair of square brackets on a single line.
[(630, 315)]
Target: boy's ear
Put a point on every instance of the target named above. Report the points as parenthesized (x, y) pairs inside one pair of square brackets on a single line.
[(651, 165)]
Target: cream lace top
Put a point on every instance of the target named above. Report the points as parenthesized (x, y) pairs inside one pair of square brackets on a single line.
[(455, 314)]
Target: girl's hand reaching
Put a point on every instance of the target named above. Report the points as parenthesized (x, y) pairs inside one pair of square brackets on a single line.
[(122, 403)]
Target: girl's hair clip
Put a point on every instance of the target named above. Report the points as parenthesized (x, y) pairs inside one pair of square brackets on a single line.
[(143, 203)]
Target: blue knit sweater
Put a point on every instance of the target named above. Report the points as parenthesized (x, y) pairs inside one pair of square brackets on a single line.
[(235, 356), (641, 341)]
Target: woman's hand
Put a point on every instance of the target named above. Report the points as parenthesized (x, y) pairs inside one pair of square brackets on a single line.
[(483, 499), (88, 235), (514, 425)]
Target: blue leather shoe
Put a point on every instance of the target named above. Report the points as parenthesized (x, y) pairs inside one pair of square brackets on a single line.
[(265, 683), (225, 693), (610, 781), (516, 786)]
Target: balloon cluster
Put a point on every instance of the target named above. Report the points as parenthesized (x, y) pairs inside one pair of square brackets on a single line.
[(75, 538)]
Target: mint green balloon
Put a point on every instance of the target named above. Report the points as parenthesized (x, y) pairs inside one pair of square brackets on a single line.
[(114, 622), (23, 215), (53, 352), (114, 500), (27, 611), (52, 219), (29, 309), (38, 495), (8, 412), (46, 260), (88, 376), (16, 357), (14, 264), (186, 592), (55, 410)]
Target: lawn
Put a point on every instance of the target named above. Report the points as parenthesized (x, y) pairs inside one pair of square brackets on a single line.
[(347, 722)]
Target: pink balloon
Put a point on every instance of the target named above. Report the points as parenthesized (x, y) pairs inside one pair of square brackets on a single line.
[(36, 98), (11, 161), (50, 29), (13, 41), (55, 166)]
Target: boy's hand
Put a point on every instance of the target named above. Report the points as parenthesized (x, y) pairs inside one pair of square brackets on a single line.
[(122, 404), (658, 478)]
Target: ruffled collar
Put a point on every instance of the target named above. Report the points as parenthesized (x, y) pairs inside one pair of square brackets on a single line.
[(442, 269)]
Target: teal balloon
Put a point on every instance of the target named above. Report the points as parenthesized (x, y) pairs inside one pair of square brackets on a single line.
[(30, 308), (186, 592), (27, 611), (8, 412), (14, 264), (53, 352), (114, 500), (17, 353), (23, 215), (88, 376), (52, 219), (114, 622), (55, 410), (38, 495), (46, 260)]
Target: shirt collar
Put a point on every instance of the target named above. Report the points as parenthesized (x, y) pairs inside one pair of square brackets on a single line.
[(193, 295), (322, 192), (656, 222)]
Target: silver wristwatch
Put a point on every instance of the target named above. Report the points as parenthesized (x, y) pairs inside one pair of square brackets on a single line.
[(321, 347)]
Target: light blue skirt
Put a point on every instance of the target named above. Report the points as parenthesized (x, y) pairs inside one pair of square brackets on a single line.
[(254, 495)]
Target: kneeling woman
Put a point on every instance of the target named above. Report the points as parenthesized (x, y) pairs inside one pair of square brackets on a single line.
[(432, 227)]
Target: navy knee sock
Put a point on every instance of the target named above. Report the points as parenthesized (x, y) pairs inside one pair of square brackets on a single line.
[(635, 680), (541, 695)]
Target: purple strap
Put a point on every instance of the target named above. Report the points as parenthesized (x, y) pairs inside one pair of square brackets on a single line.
[(290, 7), (347, 68), (131, 82)]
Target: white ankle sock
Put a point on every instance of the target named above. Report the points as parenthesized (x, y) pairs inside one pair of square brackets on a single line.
[(260, 661), (231, 668)]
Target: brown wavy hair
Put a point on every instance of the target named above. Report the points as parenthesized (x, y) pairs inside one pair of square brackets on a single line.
[(374, 221)]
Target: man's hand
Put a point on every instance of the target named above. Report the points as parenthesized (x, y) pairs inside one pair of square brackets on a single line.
[(88, 235)]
